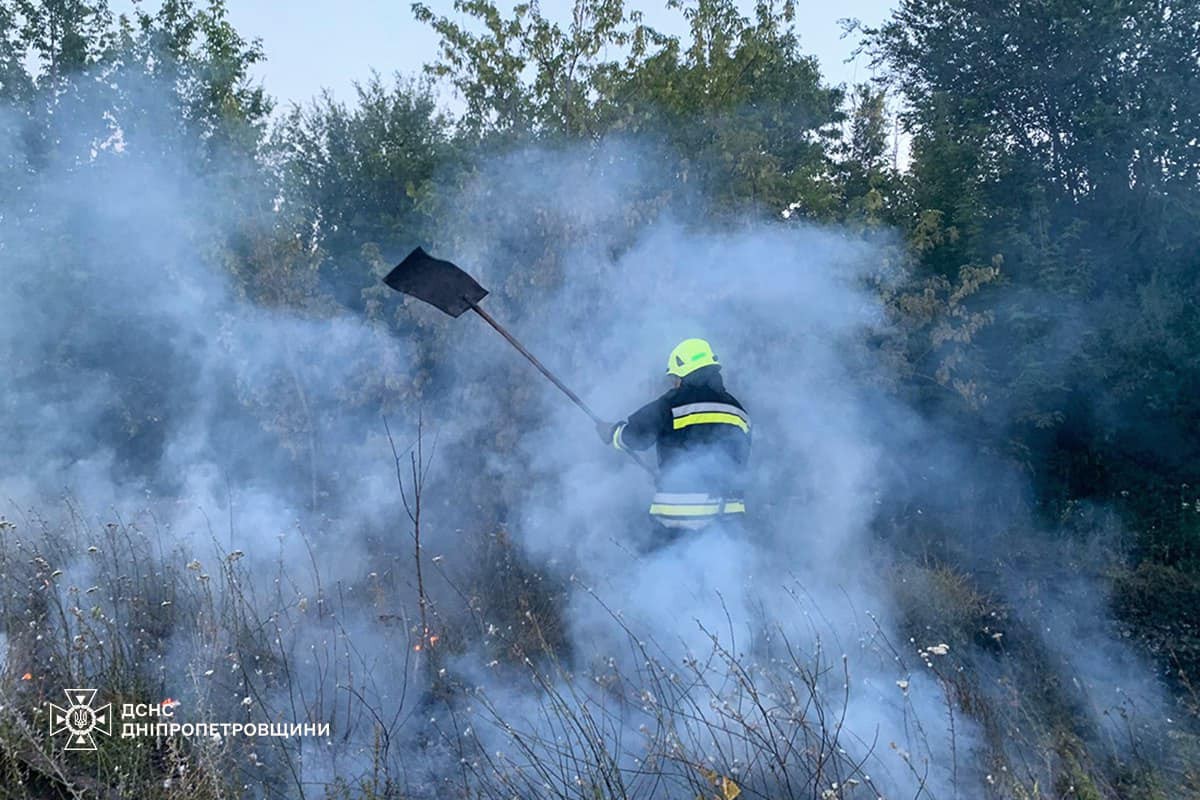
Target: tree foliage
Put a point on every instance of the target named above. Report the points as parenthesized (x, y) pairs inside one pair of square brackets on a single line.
[(742, 111), (89, 97), (359, 177), (1063, 139)]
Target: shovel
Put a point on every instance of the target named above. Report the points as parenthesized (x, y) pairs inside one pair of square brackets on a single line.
[(446, 287)]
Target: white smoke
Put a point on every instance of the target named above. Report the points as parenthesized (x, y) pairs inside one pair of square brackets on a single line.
[(141, 381)]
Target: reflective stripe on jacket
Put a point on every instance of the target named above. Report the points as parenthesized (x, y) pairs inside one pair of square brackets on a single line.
[(702, 437), (709, 414)]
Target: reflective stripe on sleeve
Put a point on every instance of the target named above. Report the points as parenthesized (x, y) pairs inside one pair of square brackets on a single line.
[(616, 437)]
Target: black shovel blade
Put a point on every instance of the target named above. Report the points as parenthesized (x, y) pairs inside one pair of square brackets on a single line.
[(439, 283)]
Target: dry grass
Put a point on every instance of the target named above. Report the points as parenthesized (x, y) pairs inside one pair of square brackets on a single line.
[(116, 607)]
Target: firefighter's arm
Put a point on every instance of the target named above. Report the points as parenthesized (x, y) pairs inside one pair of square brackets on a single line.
[(641, 429)]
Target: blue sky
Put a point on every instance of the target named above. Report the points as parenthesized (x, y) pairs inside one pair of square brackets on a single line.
[(312, 45)]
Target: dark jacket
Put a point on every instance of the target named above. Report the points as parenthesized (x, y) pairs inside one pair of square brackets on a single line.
[(702, 435)]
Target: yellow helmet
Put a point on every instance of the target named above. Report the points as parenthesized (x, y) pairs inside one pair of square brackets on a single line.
[(689, 356)]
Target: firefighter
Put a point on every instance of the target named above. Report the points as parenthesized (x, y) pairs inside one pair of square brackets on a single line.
[(702, 435)]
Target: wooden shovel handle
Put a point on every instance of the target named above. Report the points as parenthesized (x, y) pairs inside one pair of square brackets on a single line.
[(550, 375)]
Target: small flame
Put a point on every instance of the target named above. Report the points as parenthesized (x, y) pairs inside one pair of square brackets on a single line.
[(28, 676), (428, 640), (169, 703)]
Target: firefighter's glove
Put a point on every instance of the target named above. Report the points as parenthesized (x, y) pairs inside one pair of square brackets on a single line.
[(605, 431)]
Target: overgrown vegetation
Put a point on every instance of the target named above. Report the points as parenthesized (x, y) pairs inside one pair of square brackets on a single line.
[(1041, 301)]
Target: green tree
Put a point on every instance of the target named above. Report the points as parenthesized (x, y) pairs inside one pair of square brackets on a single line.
[(197, 53), (64, 37), (870, 184), (1064, 138), (358, 179), (92, 104), (741, 112)]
